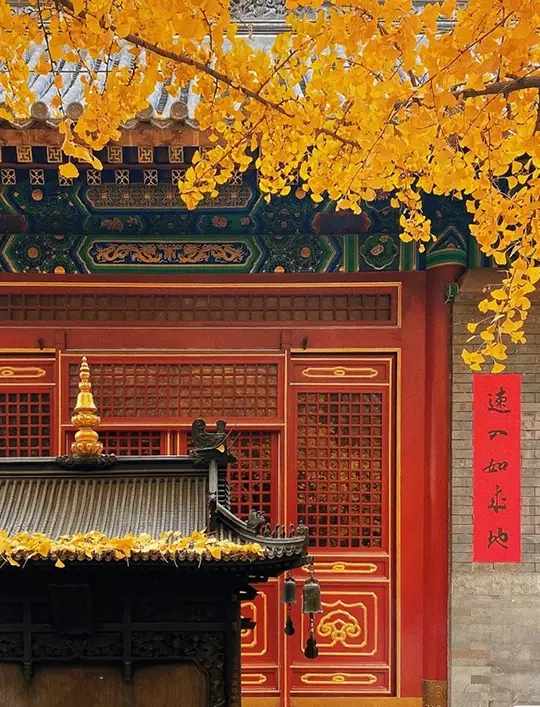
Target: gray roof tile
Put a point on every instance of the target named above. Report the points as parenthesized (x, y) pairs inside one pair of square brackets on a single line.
[(136, 495)]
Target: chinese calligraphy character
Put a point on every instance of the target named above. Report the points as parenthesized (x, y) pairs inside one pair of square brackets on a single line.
[(495, 433), (498, 502), (494, 466), (501, 538), (499, 404)]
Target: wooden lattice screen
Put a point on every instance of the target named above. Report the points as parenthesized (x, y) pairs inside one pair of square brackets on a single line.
[(25, 424), (370, 307), (128, 442), (253, 478), (339, 481), (182, 390)]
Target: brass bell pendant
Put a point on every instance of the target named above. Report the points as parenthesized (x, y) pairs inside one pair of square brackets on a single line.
[(289, 598), (311, 604), (311, 596), (289, 590)]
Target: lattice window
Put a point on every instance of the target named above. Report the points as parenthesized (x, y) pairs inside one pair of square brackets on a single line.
[(25, 424), (252, 481), (374, 308), (128, 442), (190, 390), (341, 475)]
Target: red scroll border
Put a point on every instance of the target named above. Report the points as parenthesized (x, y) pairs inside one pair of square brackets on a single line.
[(497, 468)]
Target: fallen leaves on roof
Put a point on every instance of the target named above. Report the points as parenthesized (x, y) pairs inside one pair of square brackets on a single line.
[(19, 548)]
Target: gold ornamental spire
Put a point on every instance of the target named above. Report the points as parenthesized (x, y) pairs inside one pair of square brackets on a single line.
[(85, 417)]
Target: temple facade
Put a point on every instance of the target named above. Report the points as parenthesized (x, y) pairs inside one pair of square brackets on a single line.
[(331, 348), (335, 385)]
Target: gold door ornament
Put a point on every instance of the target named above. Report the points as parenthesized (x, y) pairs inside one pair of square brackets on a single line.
[(339, 625), (340, 372), (21, 372), (339, 679)]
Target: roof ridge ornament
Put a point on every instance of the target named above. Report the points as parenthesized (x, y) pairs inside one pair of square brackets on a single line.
[(85, 417), (210, 445), (86, 450)]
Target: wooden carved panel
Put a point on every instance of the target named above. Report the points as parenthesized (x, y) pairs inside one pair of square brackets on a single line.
[(27, 372), (352, 370), (252, 480), (354, 623), (104, 686)]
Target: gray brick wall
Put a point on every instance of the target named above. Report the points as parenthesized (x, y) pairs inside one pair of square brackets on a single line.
[(495, 609)]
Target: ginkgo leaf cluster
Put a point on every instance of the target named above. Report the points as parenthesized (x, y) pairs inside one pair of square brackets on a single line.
[(355, 99), (19, 548)]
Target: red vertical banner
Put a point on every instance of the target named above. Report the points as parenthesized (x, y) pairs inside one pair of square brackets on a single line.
[(497, 468)]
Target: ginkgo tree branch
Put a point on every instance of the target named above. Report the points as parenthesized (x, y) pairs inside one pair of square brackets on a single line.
[(503, 87), (451, 115), (209, 71), (499, 87)]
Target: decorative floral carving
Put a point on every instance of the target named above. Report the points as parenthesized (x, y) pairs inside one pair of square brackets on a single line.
[(91, 463), (161, 196), (339, 625), (162, 611), (379, 251), (102, 645), (169, 253)]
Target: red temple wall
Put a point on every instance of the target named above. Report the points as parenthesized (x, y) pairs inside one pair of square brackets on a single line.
[(336, 393)]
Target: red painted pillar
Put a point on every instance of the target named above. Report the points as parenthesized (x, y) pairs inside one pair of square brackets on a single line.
[(437, 478)]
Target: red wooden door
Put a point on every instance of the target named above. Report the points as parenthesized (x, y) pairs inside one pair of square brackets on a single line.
[(340, 483)]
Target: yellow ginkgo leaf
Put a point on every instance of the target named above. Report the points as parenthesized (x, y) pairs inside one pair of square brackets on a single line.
[(68, 170), (498, 367)]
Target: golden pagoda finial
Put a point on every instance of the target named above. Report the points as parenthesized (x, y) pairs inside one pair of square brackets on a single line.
[(85, 417)]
